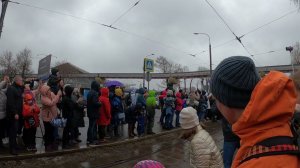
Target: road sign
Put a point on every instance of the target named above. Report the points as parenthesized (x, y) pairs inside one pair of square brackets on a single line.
[(44, 68), (148, 65), (148, 76)]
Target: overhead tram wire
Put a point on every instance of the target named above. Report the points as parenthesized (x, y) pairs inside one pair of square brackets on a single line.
[(253, 30), (237, 38), (268, 23), (64, 14), (102, 24), (125, 12)]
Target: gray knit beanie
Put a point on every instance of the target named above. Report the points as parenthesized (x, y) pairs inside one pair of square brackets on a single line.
[(234, 80)]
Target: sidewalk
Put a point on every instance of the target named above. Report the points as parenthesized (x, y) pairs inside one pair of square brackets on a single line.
[(40, 144)]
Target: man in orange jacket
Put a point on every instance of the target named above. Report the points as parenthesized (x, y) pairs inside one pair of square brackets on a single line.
[(259, 111)]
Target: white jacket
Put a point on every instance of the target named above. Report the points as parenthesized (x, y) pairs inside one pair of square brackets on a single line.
[(203, 151)]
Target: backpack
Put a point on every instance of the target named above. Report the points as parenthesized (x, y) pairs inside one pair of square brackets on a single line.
[(278, 145), (133, 98)]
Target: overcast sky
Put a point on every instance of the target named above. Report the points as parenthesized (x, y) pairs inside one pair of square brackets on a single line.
[(172, 22)]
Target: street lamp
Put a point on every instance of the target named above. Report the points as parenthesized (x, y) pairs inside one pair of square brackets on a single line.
[(210, 59), (290, 49)]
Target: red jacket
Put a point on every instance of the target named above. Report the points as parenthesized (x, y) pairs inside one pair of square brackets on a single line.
[(30, 111), (179, 102), (105, 110)]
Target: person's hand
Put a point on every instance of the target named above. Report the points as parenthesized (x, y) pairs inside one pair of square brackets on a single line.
[(17, 117), (59, 93), (6, 79)]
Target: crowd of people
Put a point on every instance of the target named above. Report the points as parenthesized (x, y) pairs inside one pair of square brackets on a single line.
[(31, 104), (258, 114)]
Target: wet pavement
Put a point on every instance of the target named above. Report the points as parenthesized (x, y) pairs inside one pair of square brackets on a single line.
[(166, 148)]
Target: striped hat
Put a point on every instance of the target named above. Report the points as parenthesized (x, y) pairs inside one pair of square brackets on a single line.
[(149, 164)]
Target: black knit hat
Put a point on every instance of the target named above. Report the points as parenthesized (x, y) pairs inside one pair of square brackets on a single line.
[(234, 80), (54, 71)]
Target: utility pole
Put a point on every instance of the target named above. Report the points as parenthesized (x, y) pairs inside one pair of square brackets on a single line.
[(4, 7)]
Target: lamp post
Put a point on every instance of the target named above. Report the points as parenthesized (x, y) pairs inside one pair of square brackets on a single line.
[(210, 58), (290, 49)]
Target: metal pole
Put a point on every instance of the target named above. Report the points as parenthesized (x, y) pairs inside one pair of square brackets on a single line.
[(144, 74), (4, 7), (148, 74), (210, 66), (210, 58)]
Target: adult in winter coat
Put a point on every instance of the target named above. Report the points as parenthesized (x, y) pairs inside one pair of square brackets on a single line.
[(93, 108), (3, 100), (68, 106), (30, 113), (105, 113), (162, 104), (14, 110), (259, 111), (49, 112), (141, 98), (78, 112), (150, 108), (194, 98), (178, 107), (203, 150), (231, 143), (54, 80)]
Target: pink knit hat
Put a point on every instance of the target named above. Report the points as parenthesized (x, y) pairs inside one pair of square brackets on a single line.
[(149, 164)]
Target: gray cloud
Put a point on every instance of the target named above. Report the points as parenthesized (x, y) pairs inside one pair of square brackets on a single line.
[(172, 22)]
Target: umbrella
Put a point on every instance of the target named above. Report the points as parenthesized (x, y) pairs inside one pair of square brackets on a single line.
[(113, 83)]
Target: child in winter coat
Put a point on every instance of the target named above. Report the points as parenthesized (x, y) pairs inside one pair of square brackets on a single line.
[(141, 123), (169, 102), (178, 108), (31, 121), (105, 113), (117, 110), (150, 108)]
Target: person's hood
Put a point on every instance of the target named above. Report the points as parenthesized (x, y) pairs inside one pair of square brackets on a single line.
[(118, 92), (178, 95), (151, 100), (44, 89), (152, 93), (268, 112), (54, 71), (141, 91), (105, 92), (69, 90), (95, 86)]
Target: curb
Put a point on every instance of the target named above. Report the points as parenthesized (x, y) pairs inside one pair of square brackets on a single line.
[(70, 151)]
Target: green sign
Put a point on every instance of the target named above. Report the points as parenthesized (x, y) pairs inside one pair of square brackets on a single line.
[(148, 65)]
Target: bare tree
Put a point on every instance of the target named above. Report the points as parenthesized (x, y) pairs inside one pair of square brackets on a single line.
[(8, 64), (296, 2), (163, 64), (57, 63), (24, 62), (295, 54), (166, 66)]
